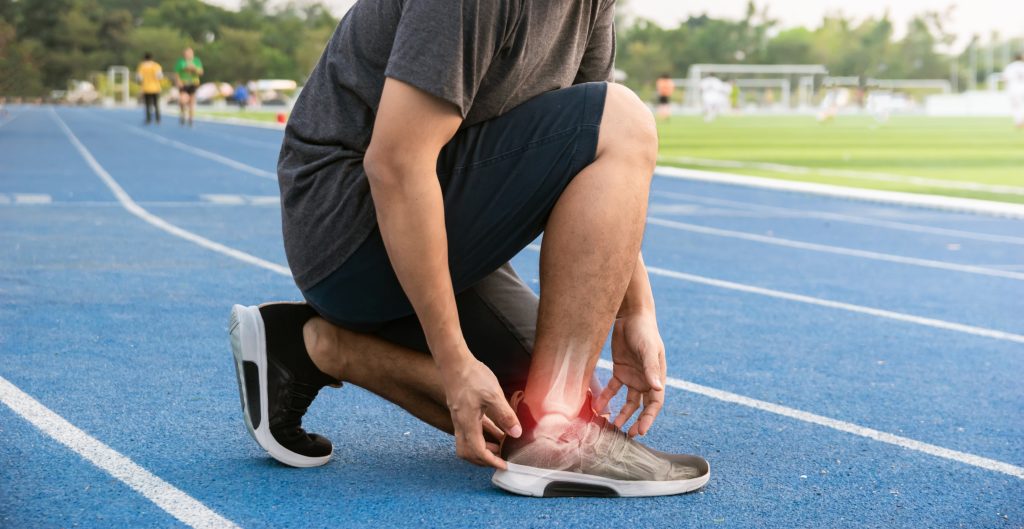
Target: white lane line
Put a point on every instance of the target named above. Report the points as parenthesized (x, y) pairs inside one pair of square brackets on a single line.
[(235, 164), (26, 199), (227, 200), (166, 496), (848, 173), (129, 204), (32, 199), (241, 200), (887, 314), (849, 307), (264, 200), (883, 437), (836, 250), (12, 118), (839, 217), (842, 426), (920, 200)]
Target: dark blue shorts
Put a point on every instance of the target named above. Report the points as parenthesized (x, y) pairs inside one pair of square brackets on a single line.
[(500, 180)]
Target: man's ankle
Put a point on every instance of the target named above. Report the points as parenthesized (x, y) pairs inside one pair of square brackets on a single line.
[(546, 405)]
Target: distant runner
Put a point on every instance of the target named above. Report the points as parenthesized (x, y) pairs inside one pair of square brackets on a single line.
[(188, 69), (149, 73), (1013, 75), (665, 88)]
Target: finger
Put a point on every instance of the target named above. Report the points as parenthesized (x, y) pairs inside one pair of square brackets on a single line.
[(612, 389), (628, 408), (501, 413), (473, 448), (652, 367), (492, 429), (494, 449), (653, 402)]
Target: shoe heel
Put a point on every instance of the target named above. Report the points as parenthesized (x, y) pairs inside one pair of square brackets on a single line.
[(246, 373)]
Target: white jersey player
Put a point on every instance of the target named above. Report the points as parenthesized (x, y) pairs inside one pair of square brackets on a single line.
[(1013, 76), (714, 95)]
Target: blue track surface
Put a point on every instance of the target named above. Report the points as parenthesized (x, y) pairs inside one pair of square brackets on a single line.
[(119, 328)]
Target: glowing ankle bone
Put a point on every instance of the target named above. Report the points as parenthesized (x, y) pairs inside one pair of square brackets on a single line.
[(560, 398)]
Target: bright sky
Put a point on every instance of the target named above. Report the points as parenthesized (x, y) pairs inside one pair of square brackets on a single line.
[(970, 16)]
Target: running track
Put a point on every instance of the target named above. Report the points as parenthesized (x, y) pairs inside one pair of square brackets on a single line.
[(840, 363)]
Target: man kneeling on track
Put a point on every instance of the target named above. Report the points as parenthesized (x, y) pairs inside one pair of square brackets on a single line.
[(433, 142)]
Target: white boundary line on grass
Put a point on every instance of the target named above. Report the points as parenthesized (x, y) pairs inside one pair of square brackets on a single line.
[(849, 173), (962, 457), (169, 498), (751, 207), (963, 205), (836, 250)]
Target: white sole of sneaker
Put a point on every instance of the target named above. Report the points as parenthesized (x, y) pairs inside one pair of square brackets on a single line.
[(249, 346), (541, 482)]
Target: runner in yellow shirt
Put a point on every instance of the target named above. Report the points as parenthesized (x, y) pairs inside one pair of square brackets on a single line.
[(149, 74)]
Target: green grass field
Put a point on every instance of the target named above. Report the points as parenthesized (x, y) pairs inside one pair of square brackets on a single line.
[(268, 116), (946, 156)]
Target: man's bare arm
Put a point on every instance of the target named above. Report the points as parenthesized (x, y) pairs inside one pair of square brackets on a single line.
[(410, 130)]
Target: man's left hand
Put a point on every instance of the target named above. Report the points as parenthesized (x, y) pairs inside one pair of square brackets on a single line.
[(639, 357)]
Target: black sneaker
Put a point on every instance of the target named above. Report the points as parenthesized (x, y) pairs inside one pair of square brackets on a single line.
[(277, 381)]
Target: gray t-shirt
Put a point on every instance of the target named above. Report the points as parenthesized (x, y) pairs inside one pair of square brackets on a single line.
[(484, 56)]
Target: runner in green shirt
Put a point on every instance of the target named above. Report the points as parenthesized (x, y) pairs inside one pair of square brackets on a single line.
[(188, 69)]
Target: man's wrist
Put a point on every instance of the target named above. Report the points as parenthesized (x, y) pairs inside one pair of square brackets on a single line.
[(633, 311)]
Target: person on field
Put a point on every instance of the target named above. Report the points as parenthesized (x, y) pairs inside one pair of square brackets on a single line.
[(714, 96), (188, 69), (241, 95), (665, 87), (1013, 76), (149, 74), (433, 142)]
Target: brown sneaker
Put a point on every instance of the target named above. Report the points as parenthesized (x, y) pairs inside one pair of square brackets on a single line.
[(588, 456)]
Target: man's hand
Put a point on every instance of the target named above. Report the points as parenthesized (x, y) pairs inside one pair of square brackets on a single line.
[(477, 405), (639, 357)]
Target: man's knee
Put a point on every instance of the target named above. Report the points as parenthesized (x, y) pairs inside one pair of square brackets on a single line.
[(628, 128)]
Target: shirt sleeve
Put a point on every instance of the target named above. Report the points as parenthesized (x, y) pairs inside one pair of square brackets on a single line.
[(444, 47), (599, 58)]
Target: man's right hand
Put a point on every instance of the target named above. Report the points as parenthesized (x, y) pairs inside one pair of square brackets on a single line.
[(477, 404)]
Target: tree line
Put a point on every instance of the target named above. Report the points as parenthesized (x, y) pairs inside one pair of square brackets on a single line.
[(847, 47), (45, 43)]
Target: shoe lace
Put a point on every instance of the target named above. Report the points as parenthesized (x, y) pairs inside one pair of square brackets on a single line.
[(298, 397)]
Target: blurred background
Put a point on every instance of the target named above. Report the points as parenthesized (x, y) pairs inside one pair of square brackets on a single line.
[(868, 71), (48, 45)]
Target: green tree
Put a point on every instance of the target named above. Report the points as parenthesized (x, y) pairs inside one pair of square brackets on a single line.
[(237, 54), (19, 64)]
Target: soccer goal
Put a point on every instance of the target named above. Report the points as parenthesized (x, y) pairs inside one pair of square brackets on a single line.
[(118, 80), (760, 86)]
